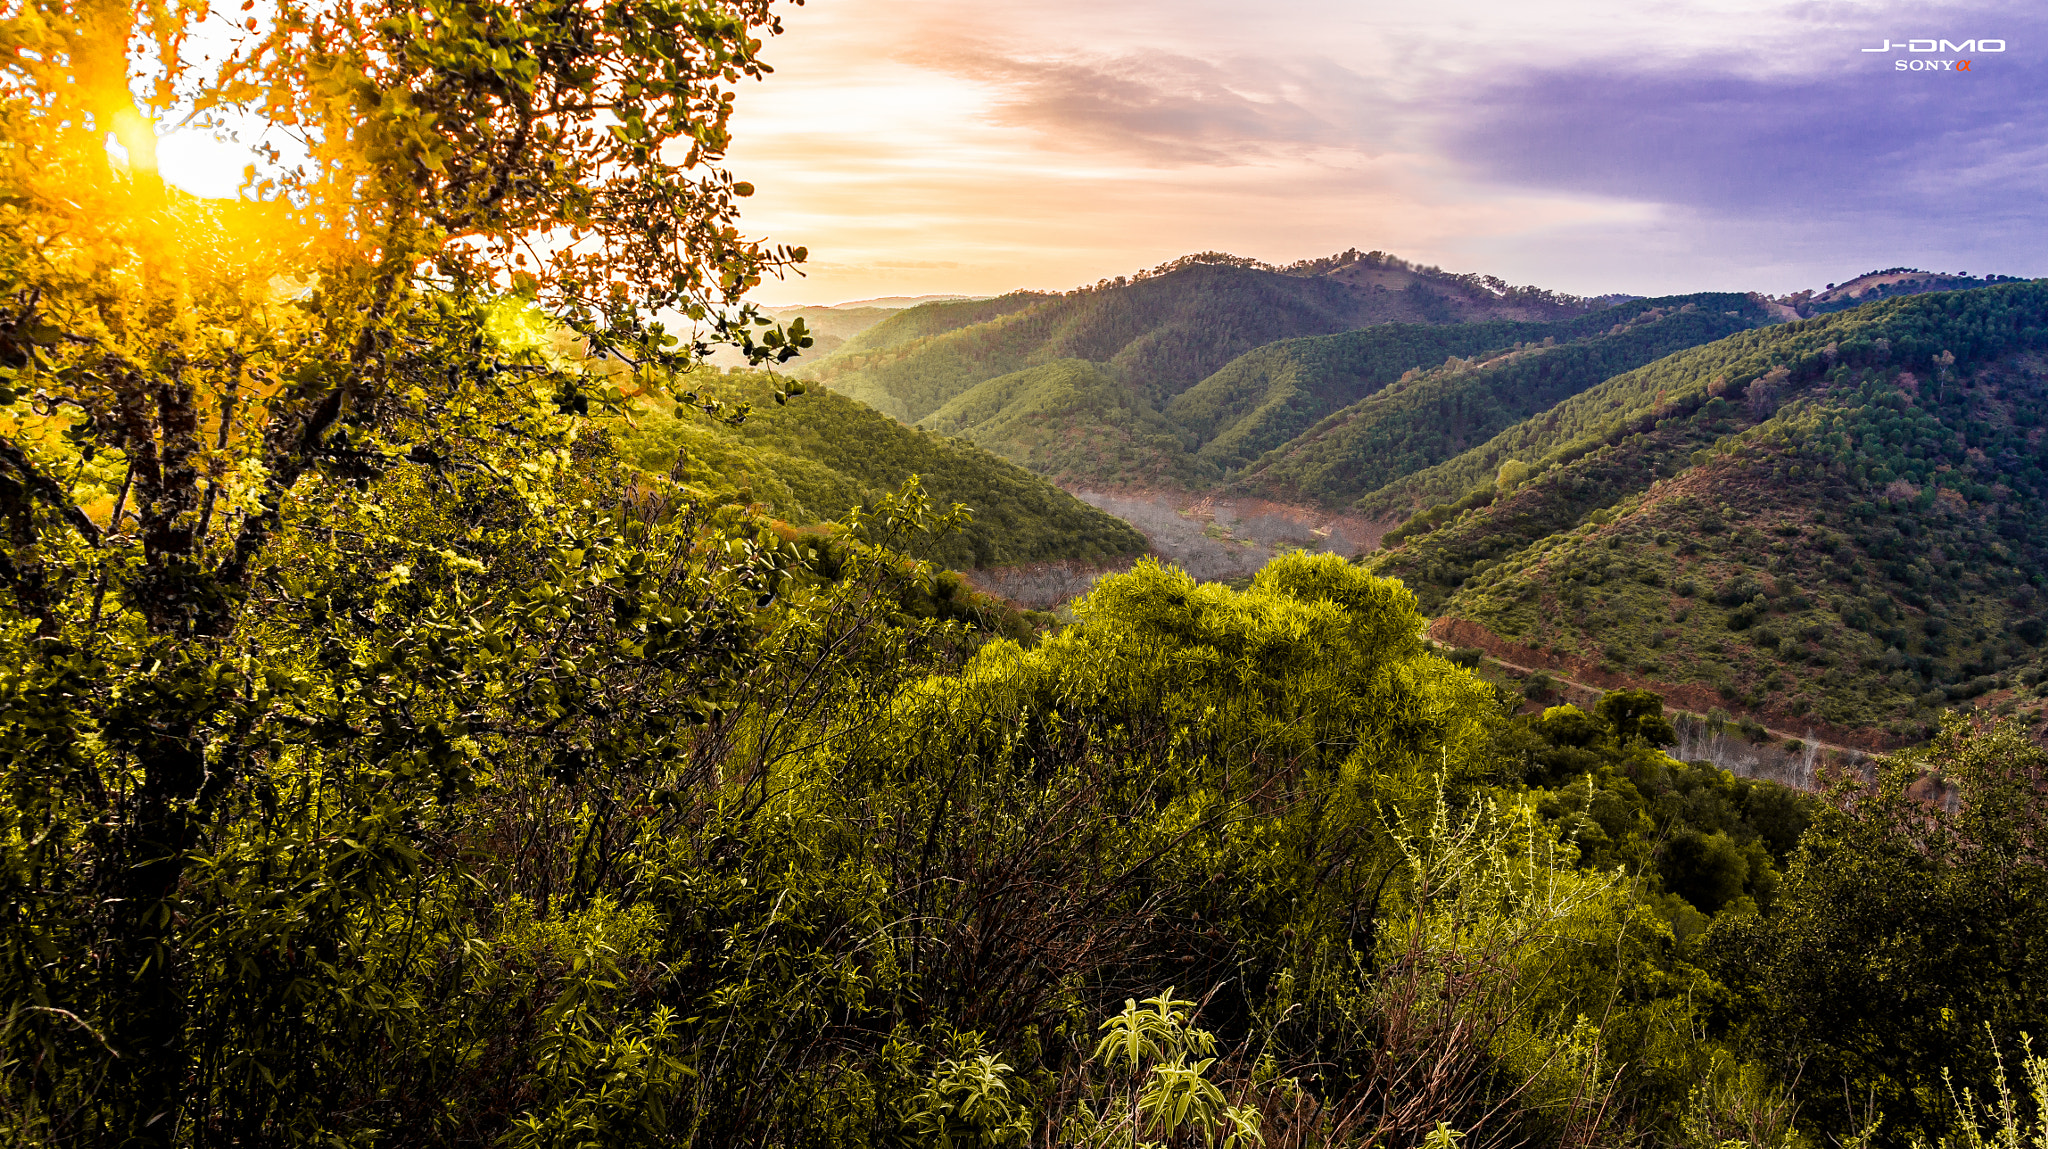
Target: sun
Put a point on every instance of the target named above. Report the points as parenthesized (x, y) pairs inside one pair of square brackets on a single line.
[(203, 164)]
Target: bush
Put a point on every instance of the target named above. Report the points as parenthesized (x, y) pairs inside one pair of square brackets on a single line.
[(1468, 657)]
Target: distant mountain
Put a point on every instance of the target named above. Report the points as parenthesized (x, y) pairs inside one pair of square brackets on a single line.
[(904, 330), (1841, 522), (828, 327), (823, 453), (885, 302), (1160, 333), (833, 327)]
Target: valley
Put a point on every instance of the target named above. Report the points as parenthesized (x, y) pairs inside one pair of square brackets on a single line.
[(1755, 464), (1231, 538)]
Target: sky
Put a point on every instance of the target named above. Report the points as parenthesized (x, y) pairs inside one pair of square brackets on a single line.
[(980, 146)]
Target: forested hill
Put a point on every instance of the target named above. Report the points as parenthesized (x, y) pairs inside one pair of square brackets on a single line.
[(1490, 375), (1078, 423), (1841, 521), (812, 460), (1884, 283), (1157, 335)]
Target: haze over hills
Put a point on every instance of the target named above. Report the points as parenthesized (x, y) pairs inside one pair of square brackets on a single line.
[(885, 302), (832, 325)]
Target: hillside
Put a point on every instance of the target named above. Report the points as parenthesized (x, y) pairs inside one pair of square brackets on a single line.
[(1069, 421), (1081, 418), (811, 460), (1841, 522), (1739, 367), (1074, 422), (912, 324), (1162, 332), (1398, 416)]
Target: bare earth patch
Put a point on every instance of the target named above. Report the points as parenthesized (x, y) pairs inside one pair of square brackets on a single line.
[(1224, 538), (1210, 538)]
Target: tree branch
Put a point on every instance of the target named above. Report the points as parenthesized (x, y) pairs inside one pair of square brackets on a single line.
[(47, 489)]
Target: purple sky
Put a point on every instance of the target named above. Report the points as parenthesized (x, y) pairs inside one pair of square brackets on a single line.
[(980, 145)]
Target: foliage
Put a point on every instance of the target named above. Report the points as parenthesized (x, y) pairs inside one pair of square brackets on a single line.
[(2006, 1119), (1070, 422), (1366, 408), (1908, 926), (1155, 1063), (1688, 829), (972, 1102), (189, 386), (808, 462), (1780, 551)]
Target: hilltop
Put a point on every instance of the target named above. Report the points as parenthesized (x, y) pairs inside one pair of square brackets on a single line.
[(1162, 331), (1885, 283)]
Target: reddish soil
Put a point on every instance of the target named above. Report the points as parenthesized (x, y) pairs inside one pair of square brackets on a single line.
[(1683, 695)]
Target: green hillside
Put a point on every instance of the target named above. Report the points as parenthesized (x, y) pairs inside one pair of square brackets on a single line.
[(821, 454), (1071, 422), (1840, 521), (1401, 417), (1164, 330), (1103, 386), (910, 324), (1638, 398), (1158, 336)]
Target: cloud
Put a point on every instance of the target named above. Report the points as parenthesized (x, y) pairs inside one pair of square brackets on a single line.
[(1175, 110), (1848, 140), (1739, 144)]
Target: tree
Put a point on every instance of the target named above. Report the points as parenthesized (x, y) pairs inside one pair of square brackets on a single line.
[(185, 380), (1636, 718), (1907, 924)]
